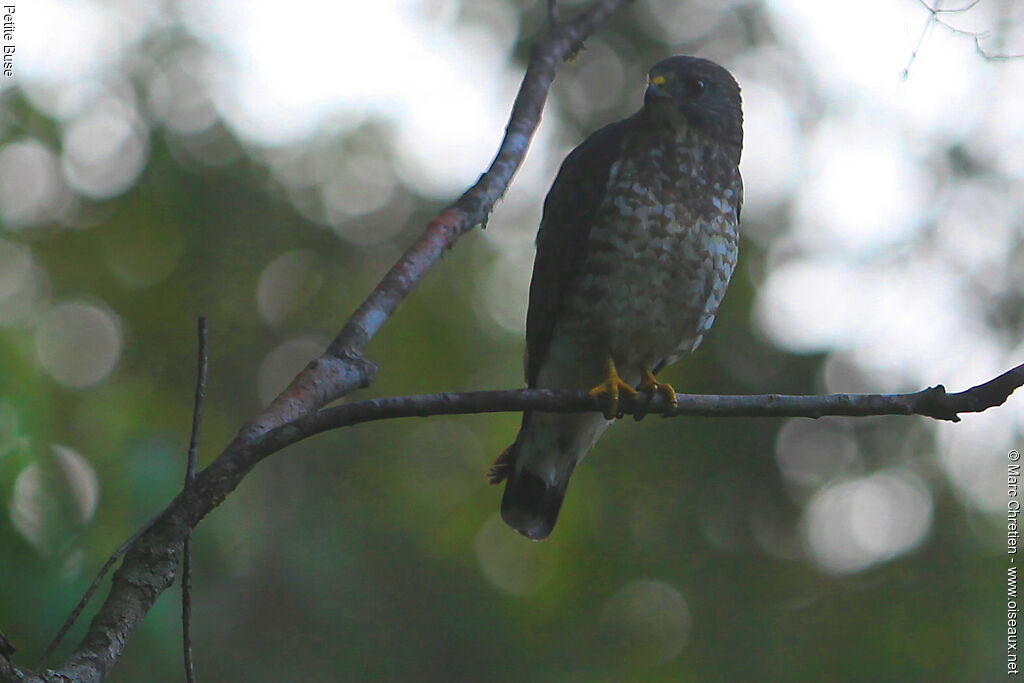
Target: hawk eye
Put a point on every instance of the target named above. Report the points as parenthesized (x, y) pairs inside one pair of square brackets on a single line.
[(695, 86)]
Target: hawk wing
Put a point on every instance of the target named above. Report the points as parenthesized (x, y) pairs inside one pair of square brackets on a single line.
[(569, 211)]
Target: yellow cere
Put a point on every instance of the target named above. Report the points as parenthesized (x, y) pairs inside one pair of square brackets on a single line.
[(658, 80)]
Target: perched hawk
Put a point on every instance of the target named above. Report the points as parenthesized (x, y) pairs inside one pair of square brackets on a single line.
[(635, 249)]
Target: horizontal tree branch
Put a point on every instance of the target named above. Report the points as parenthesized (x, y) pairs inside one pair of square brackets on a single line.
[(933, 402), (149, 565)]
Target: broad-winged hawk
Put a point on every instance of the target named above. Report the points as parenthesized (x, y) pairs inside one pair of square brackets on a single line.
[(636, 246)]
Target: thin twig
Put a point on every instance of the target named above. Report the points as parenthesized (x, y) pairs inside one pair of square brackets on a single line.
[(77, 611), (949, 10), (117, 554), (203, 363), (988, 56), (935, 15), (932, 19)]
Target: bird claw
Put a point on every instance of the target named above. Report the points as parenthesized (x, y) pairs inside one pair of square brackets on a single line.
[(610, 390), (648, 388), (643, 400)]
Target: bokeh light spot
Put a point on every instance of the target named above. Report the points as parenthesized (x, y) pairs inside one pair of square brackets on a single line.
[(675, 22), (31, 507), (863, 190), (31, 187), (288, 282), (811, 454), (80, 480), (724, 512), (443, 463), (105, 150), (771, 147), (49, 503), (15, 268), (647, 622), (179, 94), (512, 563), (78, 343), (598, 82), (141, 254), (504, 295), (360, 185), (855, 524), (21, 284), (965, 452)]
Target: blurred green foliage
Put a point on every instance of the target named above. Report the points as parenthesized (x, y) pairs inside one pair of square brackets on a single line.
[(374, 553)]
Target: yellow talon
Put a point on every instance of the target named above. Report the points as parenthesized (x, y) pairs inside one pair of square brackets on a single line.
[(613, 386), (649, 384)]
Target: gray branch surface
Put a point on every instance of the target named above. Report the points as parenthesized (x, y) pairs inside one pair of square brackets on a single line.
[(934, 402)]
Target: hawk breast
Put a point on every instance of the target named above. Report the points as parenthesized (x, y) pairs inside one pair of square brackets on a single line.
[(660, 252)]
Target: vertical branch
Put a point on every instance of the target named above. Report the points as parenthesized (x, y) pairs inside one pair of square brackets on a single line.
[(190, 474)]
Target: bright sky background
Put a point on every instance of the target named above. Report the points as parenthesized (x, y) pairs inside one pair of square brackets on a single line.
[(839, 280)]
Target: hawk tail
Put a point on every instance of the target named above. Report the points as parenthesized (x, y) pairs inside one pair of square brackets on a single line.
[(530, 504), (538, 466)]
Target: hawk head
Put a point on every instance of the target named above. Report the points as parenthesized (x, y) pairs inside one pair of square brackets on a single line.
[(690, 91)]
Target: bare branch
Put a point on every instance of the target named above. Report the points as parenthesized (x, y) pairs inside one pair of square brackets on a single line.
[(935, 18), (148, 567), (192, 462), (948, 10), (203, 364), (993, 57), (91, 590), (342, 368), (933, 402)]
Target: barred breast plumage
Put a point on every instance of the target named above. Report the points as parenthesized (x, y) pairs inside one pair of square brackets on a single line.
[(637, 244), (660, 253)]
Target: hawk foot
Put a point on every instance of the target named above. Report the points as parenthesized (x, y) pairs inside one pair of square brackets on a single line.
[(650, 387), (609, 391)]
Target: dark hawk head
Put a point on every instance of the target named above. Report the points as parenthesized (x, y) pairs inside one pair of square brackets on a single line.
[(696, 92)]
